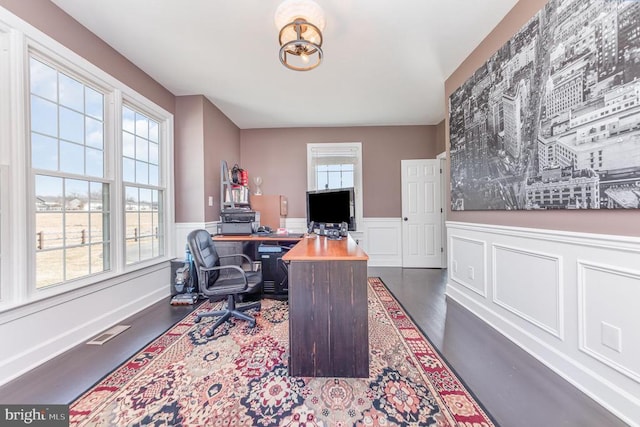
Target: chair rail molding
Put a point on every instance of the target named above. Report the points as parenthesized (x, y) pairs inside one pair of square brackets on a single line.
[(567, 298)]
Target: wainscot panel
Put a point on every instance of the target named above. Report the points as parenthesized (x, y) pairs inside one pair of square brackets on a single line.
[(608, 296), (568, 299), (536, 298), (468, 263), (383, 241)]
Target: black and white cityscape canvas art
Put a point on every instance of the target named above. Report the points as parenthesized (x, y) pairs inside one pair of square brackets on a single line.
[(552, 119)]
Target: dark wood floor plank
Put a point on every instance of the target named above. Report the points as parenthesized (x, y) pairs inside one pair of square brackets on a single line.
[(63, 378), (514, 387)]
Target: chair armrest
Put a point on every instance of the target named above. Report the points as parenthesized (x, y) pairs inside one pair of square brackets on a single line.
[(227, 267), (246, 258), (249, 260)]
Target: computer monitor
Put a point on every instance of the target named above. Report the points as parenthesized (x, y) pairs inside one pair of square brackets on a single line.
[(332, 207)]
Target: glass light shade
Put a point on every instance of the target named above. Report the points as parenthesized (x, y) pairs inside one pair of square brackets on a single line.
[(309, 10), (307, 33), (300, 23)]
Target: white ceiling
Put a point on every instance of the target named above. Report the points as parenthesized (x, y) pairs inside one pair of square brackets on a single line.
[(385, 61)]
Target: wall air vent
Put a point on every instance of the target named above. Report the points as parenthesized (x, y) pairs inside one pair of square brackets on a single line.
[(108, 334)]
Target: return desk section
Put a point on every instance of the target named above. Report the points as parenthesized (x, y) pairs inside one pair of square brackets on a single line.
[(328, 326), (266, 248)]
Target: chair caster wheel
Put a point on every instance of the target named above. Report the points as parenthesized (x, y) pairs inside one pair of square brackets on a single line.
[(252, 324), (209, 333), (197, 319)]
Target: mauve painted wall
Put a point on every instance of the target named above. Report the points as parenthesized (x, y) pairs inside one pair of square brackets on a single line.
[(620, 222), (53, 21), (188, 163), (204, 137), (221, 142), (279, 156)]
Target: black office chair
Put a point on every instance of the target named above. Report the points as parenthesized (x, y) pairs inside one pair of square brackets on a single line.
[(215, 280)]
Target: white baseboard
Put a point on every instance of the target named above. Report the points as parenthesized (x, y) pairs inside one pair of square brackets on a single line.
[(42, 335)]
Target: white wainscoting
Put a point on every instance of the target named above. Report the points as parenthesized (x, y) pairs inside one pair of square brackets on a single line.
[(296, 225), (569, 299), (381, 239), (37, 332), (182, 229), (468, 265)]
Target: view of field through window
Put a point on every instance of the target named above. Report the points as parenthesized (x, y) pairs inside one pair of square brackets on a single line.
[(334, 176), (67, 148), (73, 216), (141, 174)]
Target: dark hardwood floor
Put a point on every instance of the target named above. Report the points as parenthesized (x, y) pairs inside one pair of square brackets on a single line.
[(516, 389)]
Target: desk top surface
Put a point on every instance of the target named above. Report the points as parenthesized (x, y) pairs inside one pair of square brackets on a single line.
[(320, 248), (259, 237)]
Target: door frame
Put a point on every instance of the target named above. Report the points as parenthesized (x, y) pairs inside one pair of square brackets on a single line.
[(435, 261), (444, 196)]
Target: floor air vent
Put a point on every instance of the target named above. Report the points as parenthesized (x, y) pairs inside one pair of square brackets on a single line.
[(108, 334)]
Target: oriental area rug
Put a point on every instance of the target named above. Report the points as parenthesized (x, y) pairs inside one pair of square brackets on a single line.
[(239, 377)]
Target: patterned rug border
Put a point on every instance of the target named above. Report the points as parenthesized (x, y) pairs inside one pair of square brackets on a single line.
[(437, 350), (410, 334)]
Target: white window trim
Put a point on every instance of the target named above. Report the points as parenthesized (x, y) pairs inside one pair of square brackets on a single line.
[(17, 242), (5, 153), (357, 179)]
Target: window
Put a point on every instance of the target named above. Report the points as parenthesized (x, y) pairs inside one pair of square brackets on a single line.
[(336, 165), (67, 160), (143, 193), (83, 167), (335, 175)]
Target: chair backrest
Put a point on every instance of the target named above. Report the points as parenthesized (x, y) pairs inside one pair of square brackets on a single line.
[(204, 255)]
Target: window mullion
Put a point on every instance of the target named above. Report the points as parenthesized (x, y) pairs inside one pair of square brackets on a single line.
[(117, 189)]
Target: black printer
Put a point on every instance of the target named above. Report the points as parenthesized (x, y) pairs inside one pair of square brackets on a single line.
[(236, 221)]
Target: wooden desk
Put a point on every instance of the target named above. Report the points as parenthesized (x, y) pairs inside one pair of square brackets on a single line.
[(276, 283), (328, 327), (257, 238)]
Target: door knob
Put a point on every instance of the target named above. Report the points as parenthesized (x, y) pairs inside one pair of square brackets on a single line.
[(406, 219)]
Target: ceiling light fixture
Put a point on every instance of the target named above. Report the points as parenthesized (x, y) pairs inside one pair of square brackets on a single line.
[(301, 23)]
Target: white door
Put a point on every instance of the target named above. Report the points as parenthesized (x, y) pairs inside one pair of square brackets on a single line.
[(421, 214)]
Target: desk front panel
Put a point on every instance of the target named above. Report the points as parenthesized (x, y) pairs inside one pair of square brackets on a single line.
[(328, 319)]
